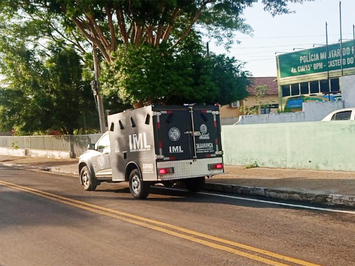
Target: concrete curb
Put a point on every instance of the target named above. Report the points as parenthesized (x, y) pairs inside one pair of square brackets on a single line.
[(284, 194), (60, 170), (42, 168)]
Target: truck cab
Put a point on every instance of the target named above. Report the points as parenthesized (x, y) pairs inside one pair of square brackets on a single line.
[(96, 161)]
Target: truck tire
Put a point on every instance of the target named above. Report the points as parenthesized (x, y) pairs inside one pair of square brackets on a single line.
[(138, 188), (195, 184), (87, 180)]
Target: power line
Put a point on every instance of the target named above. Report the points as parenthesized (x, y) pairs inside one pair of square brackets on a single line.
[(289, 37), (271, 46)]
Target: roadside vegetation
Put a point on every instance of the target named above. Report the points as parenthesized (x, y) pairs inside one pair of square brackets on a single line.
[(148, 52)]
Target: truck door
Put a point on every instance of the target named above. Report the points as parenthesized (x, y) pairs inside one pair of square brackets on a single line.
[(206, 127), (101, 161), (189, 132), (172, 142)]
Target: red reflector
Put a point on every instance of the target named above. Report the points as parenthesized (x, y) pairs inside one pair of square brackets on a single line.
[(219, 166), (215, 166), (164, 171)]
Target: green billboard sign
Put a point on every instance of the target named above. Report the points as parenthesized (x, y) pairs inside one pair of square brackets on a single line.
[(315, 60)]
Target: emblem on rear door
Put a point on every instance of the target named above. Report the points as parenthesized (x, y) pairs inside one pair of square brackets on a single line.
[(174, 134), (204, 132)]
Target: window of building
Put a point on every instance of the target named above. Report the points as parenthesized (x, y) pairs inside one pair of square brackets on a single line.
[(295, 89), (265, 110), (235, 104), (334, 85), (285, 90), (314, 88), (324, 86), (304, 88)]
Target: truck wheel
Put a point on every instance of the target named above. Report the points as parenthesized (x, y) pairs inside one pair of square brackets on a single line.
[(195, 184), (86, 179), (138, 188)]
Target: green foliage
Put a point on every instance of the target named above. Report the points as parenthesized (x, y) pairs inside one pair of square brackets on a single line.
[(252, 165), (158, 75), (14, 145), (152, 51), (230, 79), (109, 23), (261, 92), (43, 88), (139, 73), (44, 95)]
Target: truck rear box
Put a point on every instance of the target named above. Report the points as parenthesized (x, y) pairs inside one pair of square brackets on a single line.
[(166, 142)]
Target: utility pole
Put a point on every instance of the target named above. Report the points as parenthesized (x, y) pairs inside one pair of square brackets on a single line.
[(327, 49), (354, 42), (341, 41), (95, 86)]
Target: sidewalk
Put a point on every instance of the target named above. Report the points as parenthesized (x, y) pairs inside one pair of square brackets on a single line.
[(321, 187)]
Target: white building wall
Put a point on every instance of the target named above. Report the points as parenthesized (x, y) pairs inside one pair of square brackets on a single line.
[(347, 85), (312, 111), (316, 111)]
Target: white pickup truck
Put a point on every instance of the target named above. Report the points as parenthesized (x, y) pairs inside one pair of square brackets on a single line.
[(156, 144)]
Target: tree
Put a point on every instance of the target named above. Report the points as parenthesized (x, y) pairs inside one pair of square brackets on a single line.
[(43, 95), (232, 81), (71, 95), (260, 93), (133, 28), (46, 85), (107, 24), (167, 77)]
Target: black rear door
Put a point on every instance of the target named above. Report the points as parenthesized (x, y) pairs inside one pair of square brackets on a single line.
[(186, 132), (207, 131), (172, 142)]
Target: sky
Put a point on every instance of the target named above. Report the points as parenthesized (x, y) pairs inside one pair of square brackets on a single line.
[(286, 33)]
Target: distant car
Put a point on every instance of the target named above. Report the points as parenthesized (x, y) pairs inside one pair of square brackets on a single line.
[(341, 114)]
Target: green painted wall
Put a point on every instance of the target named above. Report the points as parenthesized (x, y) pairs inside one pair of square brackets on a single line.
[(306, 145)]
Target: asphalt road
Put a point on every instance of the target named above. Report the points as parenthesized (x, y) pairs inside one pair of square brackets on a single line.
[(47, 219)]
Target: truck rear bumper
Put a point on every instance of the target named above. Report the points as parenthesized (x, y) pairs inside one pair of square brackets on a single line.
[(189, 168)]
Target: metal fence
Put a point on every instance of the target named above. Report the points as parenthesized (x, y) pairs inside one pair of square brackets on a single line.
[(76, 145)]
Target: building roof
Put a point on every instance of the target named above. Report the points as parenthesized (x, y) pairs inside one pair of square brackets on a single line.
[(270, 82)]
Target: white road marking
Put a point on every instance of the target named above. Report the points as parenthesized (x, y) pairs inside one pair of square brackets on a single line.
[(278, 203), (265, 201)]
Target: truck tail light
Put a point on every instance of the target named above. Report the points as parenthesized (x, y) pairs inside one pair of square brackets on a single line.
[(164, 171), (216, 166)]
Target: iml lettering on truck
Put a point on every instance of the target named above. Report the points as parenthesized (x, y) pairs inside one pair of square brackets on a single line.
[(138, 142), (175, 149), (174, 135)]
